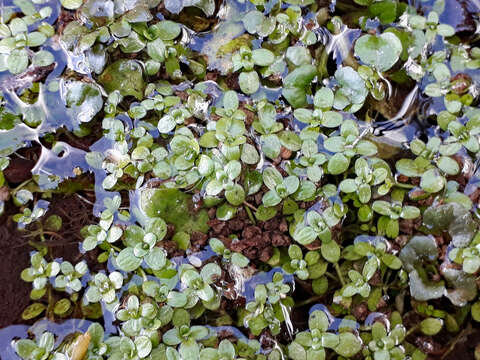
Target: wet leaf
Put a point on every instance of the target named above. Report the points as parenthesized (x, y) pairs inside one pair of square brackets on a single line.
[(125, 76), (172, 205), (83, 100), (381, 51), (431, 326), (348, 345), (33, 310), (249, 82), (295, 84), (71, 4)]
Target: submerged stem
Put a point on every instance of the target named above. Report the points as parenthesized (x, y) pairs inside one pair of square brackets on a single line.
[(339, 273)]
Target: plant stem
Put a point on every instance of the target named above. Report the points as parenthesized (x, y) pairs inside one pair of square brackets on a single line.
[(412, 330), (463, 333), (331, 276), (250, 215), (50, 305), (249, 205), (339, 273), (142, 274), (308, 301), (14, 191)]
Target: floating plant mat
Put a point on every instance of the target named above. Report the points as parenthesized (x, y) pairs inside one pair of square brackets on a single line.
[(239, 179)]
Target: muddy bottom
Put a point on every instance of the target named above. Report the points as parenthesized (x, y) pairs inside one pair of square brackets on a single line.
[(15, 251)]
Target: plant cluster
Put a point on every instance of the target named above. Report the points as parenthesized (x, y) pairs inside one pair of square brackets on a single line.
[(239, 178)]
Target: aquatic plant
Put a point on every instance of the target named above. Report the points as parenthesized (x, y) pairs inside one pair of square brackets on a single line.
[(239, 167)]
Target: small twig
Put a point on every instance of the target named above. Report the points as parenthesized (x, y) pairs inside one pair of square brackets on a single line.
[(84, 199), (36, 233)]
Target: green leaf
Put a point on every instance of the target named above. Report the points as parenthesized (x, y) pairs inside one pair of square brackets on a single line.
[(143, 345), (348, 345), (211, 272), (265, 213), (127, 261), (296, 351), (189, 350), (83, 100), (448, 165), (382, 207), (391, 261), (432, 181), (157, 50), (168, 30), (32, 311), (381, 51), (271, 177), (43, 58), (235, 196), (332, 119), (431, 326), (252, 21), (171, 337), (239, 260), (476, 311), (330, 251), (296, 82), (25, 348), (338, 164), (410, 212), (249, 82), (323, 98), (17, 61), (318, 320), (387, 11), (156, 258), (262, 57), (304, 235), (230, 100), (295, 252), (348, 186), (217, 246), (62, 307), (176, 299), (125, 76), (225, 212), (175, 207), (249, 155)]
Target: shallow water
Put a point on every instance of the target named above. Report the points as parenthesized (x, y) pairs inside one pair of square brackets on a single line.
[(409, 120)]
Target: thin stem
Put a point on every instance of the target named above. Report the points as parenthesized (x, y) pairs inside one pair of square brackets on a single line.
[(40, 233), (403, 185), (308, 301), (49, 311), (463, 333), (14, 191), (142, 274), (331, 276), (412, 330), (115, 248), (339, 273), (250, 205), (250, 215)]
